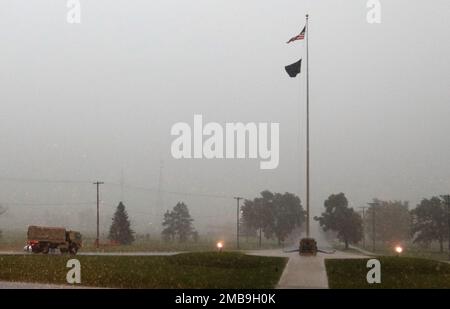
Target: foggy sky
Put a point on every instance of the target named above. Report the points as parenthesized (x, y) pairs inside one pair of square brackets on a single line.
[(84, 102)]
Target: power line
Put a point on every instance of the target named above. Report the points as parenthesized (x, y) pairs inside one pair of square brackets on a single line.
[(48, 204), (156, 190), (122, 185), (36, 180)]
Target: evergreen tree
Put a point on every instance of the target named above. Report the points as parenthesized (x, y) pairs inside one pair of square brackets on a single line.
[(168, 232), (120, 230), (178, 223), (183, 222)]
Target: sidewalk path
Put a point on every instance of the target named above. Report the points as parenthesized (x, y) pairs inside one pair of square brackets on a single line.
[(305, 272)]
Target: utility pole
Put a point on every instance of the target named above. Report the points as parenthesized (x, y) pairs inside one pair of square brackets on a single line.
[(97, 240), (364, 225), (238, 212), (373, 205), (160, 202), (447, 202), (260, 237), (260, 223)]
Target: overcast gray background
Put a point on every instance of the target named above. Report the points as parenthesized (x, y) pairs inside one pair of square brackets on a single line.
[(82, 102)]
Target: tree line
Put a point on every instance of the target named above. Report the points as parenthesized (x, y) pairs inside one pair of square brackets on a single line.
[(177, 225), (388, 222), (277, 215)]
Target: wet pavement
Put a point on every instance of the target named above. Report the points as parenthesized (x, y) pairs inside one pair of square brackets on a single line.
[(305, 272)]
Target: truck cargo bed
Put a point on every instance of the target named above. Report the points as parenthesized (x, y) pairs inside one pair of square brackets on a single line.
[(50, 234)]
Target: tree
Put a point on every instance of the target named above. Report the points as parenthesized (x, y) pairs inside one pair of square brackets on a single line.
[(288, 215), (120, 230), (168, 232), (195, 236), (392, 221), (429, 222), (251, 216), (340, 218), (178, 223), (275, 213)]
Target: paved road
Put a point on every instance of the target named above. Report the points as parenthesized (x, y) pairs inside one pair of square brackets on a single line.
[(99, 253), (305, 272), (129, 253)]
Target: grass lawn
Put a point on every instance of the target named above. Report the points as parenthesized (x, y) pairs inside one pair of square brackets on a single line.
[(396, 272), (413, 251), (187, 270), (409, 250)]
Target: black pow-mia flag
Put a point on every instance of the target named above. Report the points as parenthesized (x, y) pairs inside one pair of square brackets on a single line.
[(294, 69)]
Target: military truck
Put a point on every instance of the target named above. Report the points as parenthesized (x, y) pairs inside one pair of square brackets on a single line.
[(42, 239)]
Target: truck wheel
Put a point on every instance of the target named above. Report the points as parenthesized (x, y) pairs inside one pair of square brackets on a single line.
[(35, 249), (73, 250), (45, 249)]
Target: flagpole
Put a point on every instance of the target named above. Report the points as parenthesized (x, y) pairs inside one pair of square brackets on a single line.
[(307, 127)]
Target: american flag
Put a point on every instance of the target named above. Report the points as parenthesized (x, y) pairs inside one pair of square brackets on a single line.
[(301, 36)]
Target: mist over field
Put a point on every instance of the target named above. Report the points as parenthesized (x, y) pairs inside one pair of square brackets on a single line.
[(96, 101)]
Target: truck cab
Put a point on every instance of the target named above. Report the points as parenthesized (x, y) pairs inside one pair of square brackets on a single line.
[(74, 237)]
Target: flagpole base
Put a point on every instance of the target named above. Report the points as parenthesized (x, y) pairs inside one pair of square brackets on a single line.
[(308, 247)]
